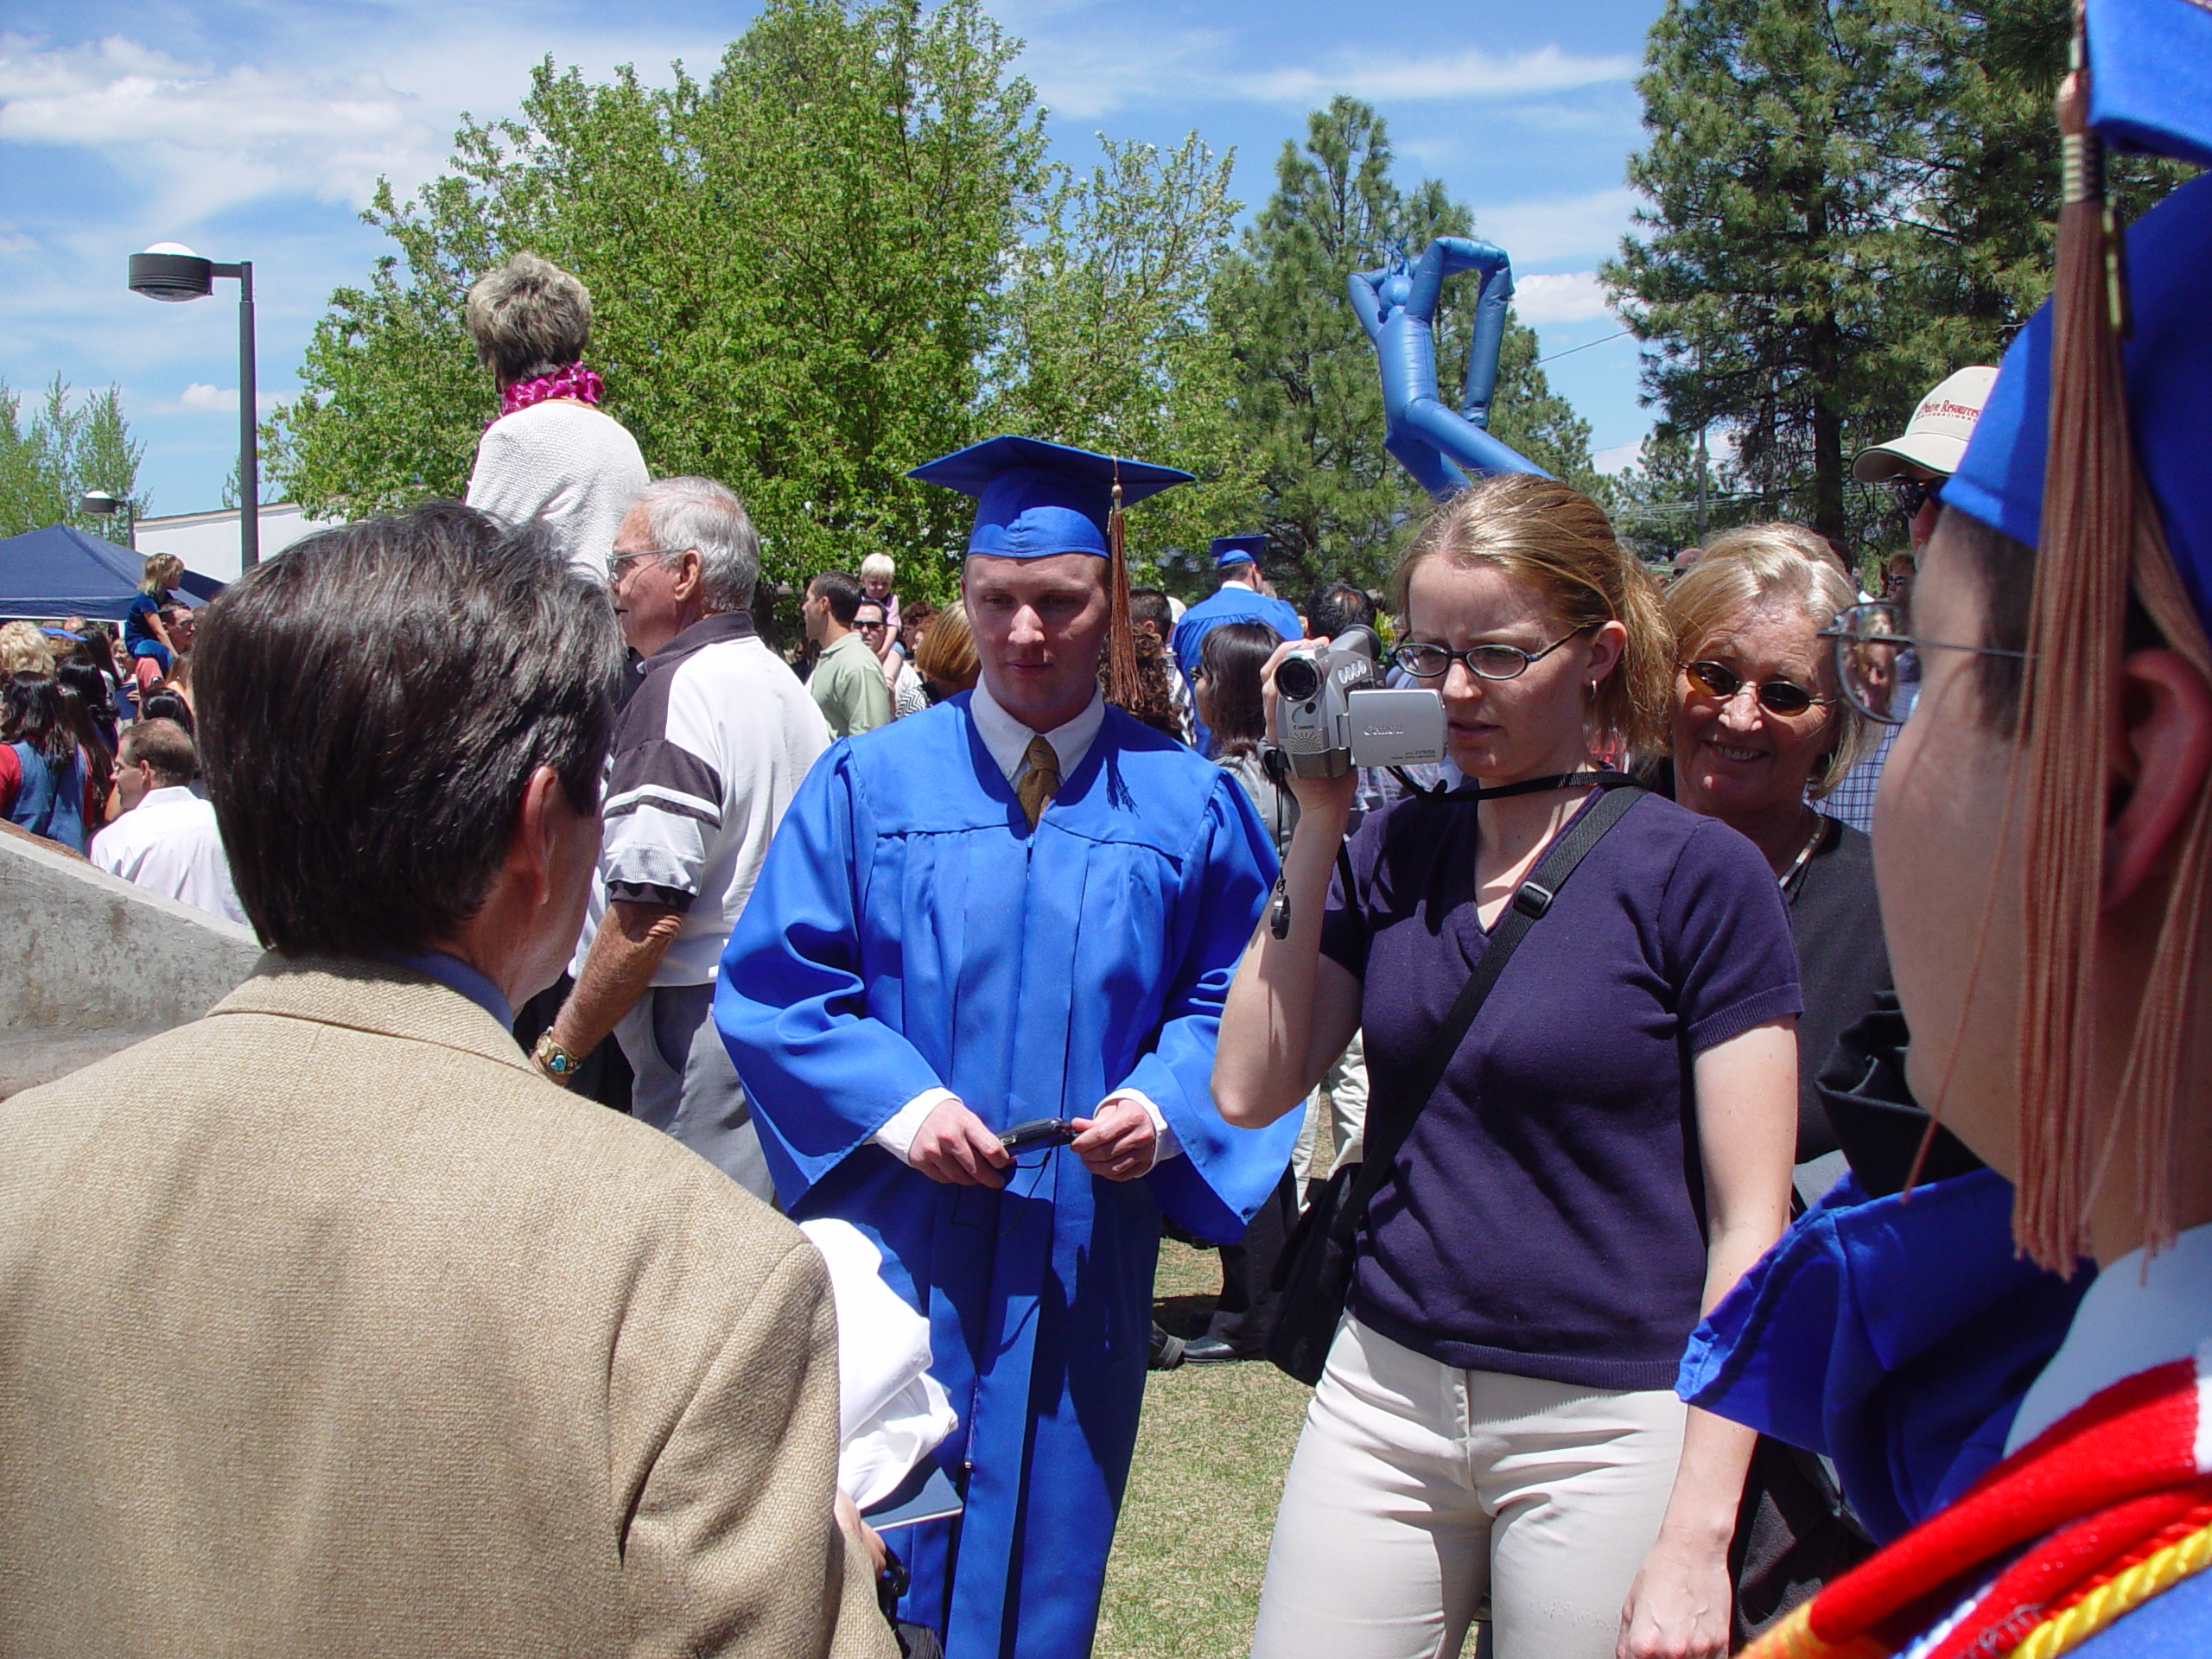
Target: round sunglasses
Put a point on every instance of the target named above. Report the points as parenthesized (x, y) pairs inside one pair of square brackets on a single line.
[(1775, 696)]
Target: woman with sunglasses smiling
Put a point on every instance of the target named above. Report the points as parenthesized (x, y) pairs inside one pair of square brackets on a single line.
[(1605, 1152), (1759, 732)]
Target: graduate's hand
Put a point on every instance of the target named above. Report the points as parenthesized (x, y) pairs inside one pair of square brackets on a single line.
[(1120, 1143), (858, 1530), (954, 1146), (1678, 1607)]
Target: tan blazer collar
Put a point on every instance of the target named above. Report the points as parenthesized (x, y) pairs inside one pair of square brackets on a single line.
[(374, 996)]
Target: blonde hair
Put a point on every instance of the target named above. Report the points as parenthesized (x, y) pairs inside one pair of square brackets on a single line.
[(162, 572), (948, 654), (1559, 541), (1767, 563), (878, 564), (24, 649)]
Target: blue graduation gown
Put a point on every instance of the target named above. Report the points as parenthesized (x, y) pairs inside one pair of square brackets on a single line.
[(1231, 602), (910, 930)]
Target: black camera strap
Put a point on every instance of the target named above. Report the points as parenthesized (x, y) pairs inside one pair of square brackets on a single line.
[(1471, 792)]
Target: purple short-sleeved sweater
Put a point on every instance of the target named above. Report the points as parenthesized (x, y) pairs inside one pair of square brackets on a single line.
[(1544, 1218)]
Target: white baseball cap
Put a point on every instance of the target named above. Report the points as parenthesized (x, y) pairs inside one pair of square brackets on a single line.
[(1936, 437)]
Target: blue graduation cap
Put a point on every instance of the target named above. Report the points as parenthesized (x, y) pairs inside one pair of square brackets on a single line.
[(1033, 499), (1237, 550), (2151, 76)]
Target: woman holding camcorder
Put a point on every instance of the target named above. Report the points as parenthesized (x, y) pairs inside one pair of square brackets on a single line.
[(1579, 1003)]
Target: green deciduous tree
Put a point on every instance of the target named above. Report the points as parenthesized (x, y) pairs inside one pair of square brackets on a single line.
[(68, 448), (793, 263), (1105, 341), (1308, 397)]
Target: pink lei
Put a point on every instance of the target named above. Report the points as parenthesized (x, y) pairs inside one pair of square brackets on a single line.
[(574, 381)]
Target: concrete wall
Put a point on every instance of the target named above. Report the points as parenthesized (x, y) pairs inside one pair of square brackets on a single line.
[(94, 964)]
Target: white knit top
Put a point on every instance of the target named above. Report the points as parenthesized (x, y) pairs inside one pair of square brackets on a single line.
[(566, 464)]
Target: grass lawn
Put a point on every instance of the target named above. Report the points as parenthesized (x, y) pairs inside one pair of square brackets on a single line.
[(1215, 1441)]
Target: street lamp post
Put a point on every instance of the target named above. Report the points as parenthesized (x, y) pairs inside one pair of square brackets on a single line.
[(168, 270), (107, 505)]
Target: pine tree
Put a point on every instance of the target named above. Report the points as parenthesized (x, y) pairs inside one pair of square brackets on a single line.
[(68, 449), (1849, 201)]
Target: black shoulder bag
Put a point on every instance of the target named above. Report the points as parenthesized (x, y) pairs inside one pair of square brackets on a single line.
[(1312, 1277)]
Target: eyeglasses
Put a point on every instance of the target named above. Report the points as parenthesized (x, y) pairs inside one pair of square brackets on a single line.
[(1775, 696), (1427, 662), (616, 560), (1914, 494), (1871, 645), (869, 627)]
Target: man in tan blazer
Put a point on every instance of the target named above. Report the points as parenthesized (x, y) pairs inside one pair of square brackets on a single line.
[(327, 1327)]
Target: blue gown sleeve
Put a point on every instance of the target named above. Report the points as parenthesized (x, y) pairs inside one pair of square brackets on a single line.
[(822, 1072), (1225, 1174)]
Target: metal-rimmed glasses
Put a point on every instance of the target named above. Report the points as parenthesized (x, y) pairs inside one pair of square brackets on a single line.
[(1914, 494), (616, 560), (1872, 648), (1431, 662), (1722, 682)]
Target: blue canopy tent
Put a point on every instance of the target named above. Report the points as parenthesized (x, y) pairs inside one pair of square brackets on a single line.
[(48, 574)]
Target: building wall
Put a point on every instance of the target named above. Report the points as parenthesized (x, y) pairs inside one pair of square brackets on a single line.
[(208, 542)]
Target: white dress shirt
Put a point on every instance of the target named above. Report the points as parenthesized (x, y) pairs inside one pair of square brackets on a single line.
[(169, 843), (1007, 739)]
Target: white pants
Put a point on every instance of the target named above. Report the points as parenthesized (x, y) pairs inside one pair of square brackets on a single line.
[(1418, 1489)]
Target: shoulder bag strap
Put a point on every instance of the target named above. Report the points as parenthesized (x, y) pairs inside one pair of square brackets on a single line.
[(1529, 902)]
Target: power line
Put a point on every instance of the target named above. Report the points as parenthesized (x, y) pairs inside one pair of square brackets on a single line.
[(1585, 346)]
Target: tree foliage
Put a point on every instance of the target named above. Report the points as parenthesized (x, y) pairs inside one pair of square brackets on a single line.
[(1848, 199), (792, 267), (1308, 396), (1106, 342), (68, 448)]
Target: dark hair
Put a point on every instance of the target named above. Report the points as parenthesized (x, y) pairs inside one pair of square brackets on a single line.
[(377, 700), (161, 704), (1234, 659), (883, 611), (920, 613), (83, 732), (1150, 604), (843, 592), (86, 680), (1152, 698), (165, 747), (31, 712), (1336, 606)]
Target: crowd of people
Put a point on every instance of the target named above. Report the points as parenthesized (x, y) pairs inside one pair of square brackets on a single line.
[(985, 941)]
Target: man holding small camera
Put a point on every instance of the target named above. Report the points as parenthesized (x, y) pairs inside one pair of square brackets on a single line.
[(1019, 905)]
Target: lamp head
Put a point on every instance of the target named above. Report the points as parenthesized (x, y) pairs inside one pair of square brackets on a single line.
[(169, 270), (100, 501)]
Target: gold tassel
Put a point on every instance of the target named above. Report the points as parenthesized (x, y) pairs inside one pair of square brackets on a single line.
[(1121, 644)]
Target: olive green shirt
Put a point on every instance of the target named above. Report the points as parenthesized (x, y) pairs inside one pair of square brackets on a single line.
[(850, 689)]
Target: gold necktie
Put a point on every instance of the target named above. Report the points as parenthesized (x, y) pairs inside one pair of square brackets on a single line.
[(1041, 782)]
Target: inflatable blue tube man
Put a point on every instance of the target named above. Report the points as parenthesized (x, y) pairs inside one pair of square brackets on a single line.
[(1397, 307)]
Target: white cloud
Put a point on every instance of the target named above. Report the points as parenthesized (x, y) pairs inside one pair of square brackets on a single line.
[(1086, 78), (1564, 227), (200, 397), (1619, 458), (1559, 296), (208, 138), (1470, 73)]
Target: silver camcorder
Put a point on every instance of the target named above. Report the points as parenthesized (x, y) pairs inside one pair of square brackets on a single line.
[(1333, 712)]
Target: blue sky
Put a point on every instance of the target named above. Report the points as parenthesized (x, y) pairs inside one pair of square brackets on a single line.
[(258, 131)]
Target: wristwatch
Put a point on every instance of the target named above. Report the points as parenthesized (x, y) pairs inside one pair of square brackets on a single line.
[(556, 1061)]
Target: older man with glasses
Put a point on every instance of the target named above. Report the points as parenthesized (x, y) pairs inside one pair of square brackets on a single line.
[(713, 745)]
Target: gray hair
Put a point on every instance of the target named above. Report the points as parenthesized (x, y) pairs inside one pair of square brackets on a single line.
[(529, 317), (697, 512), (878, 564)]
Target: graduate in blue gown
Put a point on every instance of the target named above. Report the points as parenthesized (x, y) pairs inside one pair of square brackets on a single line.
[(1237, 600), (1020, 903)]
